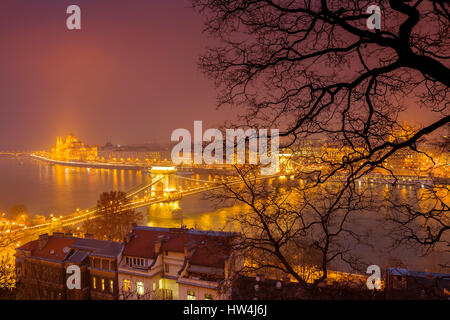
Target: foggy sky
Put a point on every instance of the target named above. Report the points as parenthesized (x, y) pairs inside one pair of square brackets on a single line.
[(129, 76)]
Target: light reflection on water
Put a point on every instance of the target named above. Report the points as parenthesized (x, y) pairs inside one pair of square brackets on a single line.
[(45, 189), (193, 212), (201, 214)]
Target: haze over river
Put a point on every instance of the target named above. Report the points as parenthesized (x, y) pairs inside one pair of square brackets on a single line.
[(47, 189), (54, 189)]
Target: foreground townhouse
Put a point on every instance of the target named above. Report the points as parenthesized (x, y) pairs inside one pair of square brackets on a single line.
[(41, 267), (185, 264), (103, 257), (408, 284), (177, 263)]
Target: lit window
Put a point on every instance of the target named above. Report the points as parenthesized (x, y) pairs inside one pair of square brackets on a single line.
[(140, 288), (111, 285), (208, 297), (126, 285), (103, 284), (94, 282), (191, 295)]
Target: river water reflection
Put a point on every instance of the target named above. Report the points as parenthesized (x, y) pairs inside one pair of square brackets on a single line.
[(53, 189)]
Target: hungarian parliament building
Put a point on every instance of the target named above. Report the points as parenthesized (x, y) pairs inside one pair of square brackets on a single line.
[(70, 148)]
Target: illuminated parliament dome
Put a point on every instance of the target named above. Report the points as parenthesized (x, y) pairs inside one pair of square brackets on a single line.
[(71, 148)]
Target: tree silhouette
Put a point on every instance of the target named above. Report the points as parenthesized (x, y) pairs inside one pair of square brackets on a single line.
[(314, 70), (7, 270), (114, 220)]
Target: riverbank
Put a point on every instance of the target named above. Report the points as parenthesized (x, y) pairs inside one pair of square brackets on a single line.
[(46, 188), (123, 166), (88, 164)]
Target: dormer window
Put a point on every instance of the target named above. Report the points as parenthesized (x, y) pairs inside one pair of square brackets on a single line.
[(135, 262)]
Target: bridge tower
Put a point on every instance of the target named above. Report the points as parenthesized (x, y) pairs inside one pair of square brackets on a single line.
[(165, 176), (285, 160)]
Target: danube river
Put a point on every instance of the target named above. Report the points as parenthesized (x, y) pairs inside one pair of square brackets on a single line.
[(46, 189)]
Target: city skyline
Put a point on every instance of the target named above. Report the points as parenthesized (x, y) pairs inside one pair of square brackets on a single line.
[(224, 150)]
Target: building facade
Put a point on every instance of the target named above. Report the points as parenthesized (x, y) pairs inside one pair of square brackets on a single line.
[(139, 153), (41, 268), (70, 148), (152, 263), (178, 264), (408, 284)]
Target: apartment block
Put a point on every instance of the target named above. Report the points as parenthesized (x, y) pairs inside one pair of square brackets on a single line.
[(174, 263)]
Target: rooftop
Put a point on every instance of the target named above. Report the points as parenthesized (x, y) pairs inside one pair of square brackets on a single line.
[(61, 248), (99, 248), (55, 248), (211, 248), (419, 274)]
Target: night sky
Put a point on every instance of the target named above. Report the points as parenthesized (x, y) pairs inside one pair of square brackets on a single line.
[(129, 76)]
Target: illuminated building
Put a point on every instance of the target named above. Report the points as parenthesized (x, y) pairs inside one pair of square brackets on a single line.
[(178, 264), (402, 133), (72, 149), (41, 268), (153, 154), (153, 263)]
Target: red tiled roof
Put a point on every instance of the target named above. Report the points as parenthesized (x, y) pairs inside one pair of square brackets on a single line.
[(211, 249), (28, 246), (53, 249), (142, 244), (212, 255)]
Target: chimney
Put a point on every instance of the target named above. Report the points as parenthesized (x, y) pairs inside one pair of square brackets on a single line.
[(42, 241), (128, 237), (158, 244), (189, 248)]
